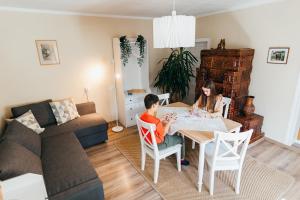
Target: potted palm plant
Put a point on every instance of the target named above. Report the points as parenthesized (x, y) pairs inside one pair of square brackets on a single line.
[(176, 73)]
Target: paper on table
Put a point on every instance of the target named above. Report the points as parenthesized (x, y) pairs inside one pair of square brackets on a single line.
[(187, 121), (162, 111)]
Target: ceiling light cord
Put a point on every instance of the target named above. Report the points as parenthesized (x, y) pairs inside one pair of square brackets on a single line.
[(174, 11), (174, 4)]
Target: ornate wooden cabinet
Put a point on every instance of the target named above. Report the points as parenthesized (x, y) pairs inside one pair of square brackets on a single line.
[(230, 69)]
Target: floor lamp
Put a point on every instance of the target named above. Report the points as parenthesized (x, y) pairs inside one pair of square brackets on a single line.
[(118, 128)]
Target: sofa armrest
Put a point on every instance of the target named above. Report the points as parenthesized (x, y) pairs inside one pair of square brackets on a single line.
[(86, 108)]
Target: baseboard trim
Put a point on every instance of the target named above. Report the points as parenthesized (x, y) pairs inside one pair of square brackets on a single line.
[(292, 148), (256, 142), (296, 145)]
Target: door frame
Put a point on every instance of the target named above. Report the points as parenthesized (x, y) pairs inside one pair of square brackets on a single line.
[(198, 40), (293, 125), (208, 40)]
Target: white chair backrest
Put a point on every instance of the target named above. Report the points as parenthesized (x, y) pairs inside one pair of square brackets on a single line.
[(226, 102), (164, 98), (234, 146), (144, 130)]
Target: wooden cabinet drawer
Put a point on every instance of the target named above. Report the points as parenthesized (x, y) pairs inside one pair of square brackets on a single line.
[(217, 75), (251, 122), (134, 99), (130, 120), (231, 63), (131, 111), (206, 61), (135, 107), (130, 100)]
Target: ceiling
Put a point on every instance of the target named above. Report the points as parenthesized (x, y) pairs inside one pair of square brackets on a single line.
[(130, 8)]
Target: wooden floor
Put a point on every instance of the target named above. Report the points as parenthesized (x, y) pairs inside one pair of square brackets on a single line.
[(282, 159), (122, 181)]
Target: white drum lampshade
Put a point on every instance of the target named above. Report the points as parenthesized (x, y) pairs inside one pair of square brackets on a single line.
[(174, 31)]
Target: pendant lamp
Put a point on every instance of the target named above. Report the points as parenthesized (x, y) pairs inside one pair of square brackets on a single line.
[(174, 31)]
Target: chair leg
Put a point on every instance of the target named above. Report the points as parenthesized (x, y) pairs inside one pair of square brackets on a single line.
[(143, 160), (211, 181), (193, 144), (178, 155), (238, 180), (156, 170)]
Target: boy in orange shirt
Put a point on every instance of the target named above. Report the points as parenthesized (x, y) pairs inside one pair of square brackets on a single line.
[(163, 140)]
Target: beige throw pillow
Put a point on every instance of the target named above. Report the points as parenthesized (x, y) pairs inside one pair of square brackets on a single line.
[(28, 120), (64, 110)]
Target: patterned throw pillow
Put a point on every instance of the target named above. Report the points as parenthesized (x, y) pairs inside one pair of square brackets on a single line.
[(64, 110), (28, 120)]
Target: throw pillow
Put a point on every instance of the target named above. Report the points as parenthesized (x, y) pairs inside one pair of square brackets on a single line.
[(64, 110), (18, 133), (29, 121), (17, 160)]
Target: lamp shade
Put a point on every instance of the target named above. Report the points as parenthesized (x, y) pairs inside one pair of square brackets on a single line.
[(174, 31)]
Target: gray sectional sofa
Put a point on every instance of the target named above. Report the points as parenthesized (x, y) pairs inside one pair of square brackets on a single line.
[(57, 153)]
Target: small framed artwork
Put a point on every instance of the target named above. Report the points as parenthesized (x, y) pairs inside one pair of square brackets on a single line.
[(48, 52), (278, 55)]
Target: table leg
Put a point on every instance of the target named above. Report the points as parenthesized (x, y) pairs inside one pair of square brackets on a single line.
[(1, 197), (201, 165)]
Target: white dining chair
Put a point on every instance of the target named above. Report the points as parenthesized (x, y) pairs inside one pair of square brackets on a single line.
[(150, 147), (227, 153), (226, 104), (164, 98)]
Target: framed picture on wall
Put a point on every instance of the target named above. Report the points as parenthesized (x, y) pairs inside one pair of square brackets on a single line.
[(48, 52), (278, 55)]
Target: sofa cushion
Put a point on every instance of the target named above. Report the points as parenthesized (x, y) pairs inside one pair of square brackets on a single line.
[(82, 126), (42, 112), (18, 133), (16, 160), (91, 190), (64, 110), (65, 163), (86, 108)]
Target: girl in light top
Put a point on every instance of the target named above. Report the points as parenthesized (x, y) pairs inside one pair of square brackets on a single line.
[(209, 104)]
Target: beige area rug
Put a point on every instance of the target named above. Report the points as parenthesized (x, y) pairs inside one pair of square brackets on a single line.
[(258, 180)]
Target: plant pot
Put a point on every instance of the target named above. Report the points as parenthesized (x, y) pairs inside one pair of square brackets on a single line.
[(249, 107)]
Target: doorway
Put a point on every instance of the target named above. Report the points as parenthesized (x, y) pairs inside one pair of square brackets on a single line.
[(293, 131), (200, 44), (298, 138)]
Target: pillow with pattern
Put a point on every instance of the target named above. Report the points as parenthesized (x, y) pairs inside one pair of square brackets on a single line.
[(28, 120), (64, 110)]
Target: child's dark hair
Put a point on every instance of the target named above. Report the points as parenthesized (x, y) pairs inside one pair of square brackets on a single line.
[(150, 99)]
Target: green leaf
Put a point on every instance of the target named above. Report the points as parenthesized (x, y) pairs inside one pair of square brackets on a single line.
[(125, 49), (176, 73)]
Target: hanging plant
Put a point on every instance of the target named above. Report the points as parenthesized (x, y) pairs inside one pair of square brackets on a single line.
[(141, 42), (125, 49)]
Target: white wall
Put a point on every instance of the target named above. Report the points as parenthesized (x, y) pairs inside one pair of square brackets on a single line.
[(85, 50), (274, 86)]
